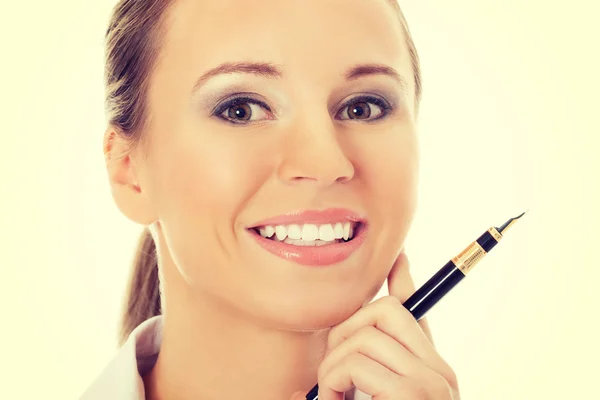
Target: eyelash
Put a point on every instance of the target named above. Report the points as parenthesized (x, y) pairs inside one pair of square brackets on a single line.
[(385, 106)]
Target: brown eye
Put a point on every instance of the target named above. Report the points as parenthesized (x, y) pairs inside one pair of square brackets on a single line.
[(365, 108), (241, 112), (360, 110)]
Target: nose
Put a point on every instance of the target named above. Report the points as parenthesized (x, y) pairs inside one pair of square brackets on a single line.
[(312, 153)]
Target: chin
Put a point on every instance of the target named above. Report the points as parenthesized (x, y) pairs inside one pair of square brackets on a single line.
[(305, 313)]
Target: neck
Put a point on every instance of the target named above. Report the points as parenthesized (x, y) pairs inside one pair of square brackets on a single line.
[(211, 352)]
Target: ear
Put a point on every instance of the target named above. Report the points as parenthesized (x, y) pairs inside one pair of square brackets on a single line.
[(123, 174)]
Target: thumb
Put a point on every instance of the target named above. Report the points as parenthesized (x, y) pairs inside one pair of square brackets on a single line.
[(298, 396), (400, 281)]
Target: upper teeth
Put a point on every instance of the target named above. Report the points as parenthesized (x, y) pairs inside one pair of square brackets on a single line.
[(309, 232)]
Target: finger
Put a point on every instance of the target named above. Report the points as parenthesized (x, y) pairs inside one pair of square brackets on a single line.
[(356, 370), (376, 345), (374, 379), (401, 285), (389, 316)]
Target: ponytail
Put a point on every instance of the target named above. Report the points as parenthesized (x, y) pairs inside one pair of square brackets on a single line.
[(142, 299)]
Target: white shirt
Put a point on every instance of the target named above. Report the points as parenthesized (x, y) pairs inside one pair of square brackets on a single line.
[(122, 377)]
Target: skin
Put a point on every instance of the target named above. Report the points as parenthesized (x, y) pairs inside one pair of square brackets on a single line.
[(239, 321)]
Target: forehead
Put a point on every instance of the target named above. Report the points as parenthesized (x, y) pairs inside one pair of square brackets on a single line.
[(318, 37)]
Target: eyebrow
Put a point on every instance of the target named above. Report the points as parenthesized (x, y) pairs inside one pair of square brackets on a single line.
[(361, 70), (270, 70)]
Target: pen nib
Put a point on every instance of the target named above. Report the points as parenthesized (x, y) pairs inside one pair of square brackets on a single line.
[(509, 223)]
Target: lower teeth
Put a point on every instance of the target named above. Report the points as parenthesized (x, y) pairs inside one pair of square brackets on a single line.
[(299, 242), (296, 242)]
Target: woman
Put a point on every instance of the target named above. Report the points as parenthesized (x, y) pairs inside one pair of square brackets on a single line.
[(270, 148)]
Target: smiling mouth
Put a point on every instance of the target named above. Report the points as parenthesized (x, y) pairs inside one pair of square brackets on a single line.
[(311, 234)]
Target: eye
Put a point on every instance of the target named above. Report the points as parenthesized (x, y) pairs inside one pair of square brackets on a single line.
[(368, 108), (241, 110)]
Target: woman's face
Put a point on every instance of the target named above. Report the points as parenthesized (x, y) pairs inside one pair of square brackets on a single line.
[(316, 130)]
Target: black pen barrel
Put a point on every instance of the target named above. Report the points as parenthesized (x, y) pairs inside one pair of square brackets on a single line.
[(433, 290)]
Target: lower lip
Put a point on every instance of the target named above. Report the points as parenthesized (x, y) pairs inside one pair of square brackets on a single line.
[(315, 256)]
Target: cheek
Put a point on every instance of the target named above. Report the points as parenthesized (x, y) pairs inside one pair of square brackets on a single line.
[(390, 168), (201, 183), (207, 176)]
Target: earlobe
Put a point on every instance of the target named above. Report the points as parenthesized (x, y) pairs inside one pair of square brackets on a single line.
[(126, 188)]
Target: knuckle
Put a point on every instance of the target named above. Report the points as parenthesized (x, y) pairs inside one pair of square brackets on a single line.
[(439, 386), (389, 317), (419, 393), (364, 340), (366, 333), (347, 364), (442, 386), (395, 313), (388, 307)]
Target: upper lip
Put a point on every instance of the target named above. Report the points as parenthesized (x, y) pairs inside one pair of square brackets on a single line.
[(327, 216)]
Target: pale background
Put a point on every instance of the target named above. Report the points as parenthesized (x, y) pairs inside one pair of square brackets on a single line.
[(509, 122)]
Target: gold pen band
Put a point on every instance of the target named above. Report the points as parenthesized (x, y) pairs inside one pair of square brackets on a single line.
[(470, 256)]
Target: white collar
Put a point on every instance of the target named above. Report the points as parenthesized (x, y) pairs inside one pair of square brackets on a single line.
[(122, 377)]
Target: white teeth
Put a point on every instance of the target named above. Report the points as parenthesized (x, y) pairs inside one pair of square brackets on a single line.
[(338, 230), (310, 232), (307, 244), (346, 230), (269, 231), (294, 232), (326, 233), (280, 232)]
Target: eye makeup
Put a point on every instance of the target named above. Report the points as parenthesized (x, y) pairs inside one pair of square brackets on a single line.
[(386, 108), (235, 101), (244, 98)]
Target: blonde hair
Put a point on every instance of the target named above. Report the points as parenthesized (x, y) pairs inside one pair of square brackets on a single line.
[(133, 41)]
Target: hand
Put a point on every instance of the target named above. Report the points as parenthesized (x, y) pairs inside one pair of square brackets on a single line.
[(382, 351)]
